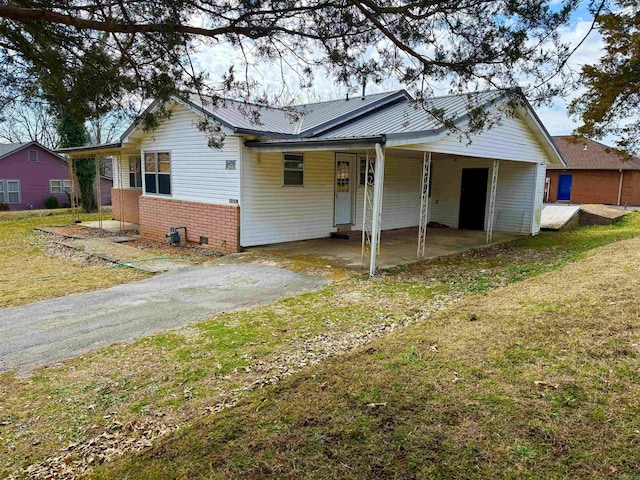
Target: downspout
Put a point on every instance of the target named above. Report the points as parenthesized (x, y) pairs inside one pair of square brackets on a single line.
[(620, 187)]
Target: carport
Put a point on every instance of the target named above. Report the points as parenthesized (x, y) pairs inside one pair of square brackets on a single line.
[(400, 168), (397, 247)]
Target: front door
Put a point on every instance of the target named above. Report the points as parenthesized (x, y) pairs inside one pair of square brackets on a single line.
[(565, 182), (473, 198), (344, 188)]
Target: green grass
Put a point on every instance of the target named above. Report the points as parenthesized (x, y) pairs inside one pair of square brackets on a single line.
[(449, 383), (29, 274), (514, 394)]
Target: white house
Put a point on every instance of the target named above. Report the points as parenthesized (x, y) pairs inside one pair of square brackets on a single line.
[(372, 163)]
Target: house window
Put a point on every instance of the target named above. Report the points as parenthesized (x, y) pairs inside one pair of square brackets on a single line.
[(55, 186), (157, 173), (293, 169), (59, 186), (135, 172), (9, 191), (33, 156)]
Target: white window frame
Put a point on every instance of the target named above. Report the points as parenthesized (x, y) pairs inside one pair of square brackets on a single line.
[(139, 175), (59, 188), (143, 168), (284, 169), (66, 186), (29, 156), (5, 191)]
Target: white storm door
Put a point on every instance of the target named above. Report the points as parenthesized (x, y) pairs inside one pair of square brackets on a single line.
[(344, 188)]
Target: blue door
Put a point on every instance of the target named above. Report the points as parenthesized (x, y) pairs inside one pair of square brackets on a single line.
[(564, 187)]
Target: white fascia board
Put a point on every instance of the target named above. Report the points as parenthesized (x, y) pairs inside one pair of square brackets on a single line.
[(531, 119), (134, 132), (310, 147)]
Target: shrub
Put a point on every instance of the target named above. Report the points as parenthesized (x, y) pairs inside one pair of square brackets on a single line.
[(51, 202), (4, 207)]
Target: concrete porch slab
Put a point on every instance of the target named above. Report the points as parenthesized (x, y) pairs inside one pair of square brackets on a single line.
[(557, 217), (113, 226), (397, 247)]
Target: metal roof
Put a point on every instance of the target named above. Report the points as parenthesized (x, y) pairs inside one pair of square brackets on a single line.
[(238, 115), (298, 120), (7, 148), (408, 116)]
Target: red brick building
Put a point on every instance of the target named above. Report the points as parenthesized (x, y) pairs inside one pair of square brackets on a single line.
[(595, 173)]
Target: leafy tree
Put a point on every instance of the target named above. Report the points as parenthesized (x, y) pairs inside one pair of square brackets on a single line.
[(141, 49), (73, 134), (611, 104)]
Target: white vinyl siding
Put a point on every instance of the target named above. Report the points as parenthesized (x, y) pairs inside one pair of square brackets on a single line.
[(541, 174), (121, 171), (198, 172), (514, 195), (511, 140), (401, 193), (272, 214)]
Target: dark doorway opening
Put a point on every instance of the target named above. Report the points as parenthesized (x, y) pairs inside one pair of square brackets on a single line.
[(473, 198)]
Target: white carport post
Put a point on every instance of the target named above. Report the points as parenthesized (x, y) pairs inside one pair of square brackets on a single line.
[(424, 204), (367, 208), (492, 200), (376, 218)]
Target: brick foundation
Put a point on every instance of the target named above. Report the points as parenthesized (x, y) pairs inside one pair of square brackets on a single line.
[(130, 204), (219, 223)]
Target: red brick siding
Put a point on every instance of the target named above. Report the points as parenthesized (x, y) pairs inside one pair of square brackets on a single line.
[(598, 186), (631, 188), (129, 209), (219, 223)]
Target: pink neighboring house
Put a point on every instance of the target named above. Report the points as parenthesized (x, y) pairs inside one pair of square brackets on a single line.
[(30, 173)]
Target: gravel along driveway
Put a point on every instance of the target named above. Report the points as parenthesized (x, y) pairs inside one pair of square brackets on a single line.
[(53, 330)]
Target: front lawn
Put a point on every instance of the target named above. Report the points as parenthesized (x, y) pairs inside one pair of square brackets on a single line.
[(540, 379), (30, 274), (448, 368)]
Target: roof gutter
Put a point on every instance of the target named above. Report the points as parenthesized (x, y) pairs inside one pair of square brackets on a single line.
[(262, 133), (316, 142), (90, 148)]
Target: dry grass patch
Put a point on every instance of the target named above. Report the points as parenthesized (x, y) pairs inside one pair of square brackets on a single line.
[(536, 380), (184, 377), (29, 274)]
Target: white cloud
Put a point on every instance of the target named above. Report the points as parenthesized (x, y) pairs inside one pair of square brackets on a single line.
[(556, 117)]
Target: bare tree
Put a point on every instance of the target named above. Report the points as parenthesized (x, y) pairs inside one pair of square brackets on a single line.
[(23, 122)]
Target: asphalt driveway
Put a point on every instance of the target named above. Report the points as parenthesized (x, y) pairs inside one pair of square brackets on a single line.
[(53, 330)]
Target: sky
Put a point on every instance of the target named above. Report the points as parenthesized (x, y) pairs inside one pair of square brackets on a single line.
[(216, 60)]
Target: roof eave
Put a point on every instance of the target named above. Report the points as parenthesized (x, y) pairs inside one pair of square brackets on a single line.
[(550, 145), (29, 144), (313, 143), (92, 149)]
